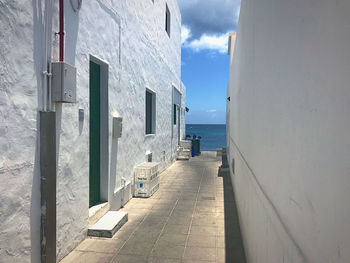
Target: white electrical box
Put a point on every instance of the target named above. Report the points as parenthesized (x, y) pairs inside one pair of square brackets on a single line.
[(117, 127), (64, 82)]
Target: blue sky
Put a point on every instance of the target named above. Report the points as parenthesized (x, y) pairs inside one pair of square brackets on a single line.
[(205, 63), (205, 74)]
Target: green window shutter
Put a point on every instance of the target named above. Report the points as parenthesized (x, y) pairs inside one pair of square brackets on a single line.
[(167, 20), (149, 113), (174, 114)]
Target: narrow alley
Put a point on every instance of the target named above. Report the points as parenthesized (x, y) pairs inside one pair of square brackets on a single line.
[(191, 218)]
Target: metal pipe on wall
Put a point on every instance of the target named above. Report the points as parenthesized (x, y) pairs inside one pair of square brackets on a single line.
[(61, 29), (47, 150), (48, 51), (48, 186)]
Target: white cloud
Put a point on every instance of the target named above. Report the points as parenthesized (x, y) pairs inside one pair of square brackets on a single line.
[(205, 42), (209, 16), (211, 111), (185, 34), (210, 31)]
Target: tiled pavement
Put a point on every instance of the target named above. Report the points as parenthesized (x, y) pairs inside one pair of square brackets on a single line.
[(192, 218)]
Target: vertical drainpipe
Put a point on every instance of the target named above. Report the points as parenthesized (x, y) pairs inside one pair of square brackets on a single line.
[(48, 186), (48, 152), (61, 28), (172, 122)]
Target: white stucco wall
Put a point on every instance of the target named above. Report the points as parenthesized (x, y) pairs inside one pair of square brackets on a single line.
[(130, 37), (289, 130)]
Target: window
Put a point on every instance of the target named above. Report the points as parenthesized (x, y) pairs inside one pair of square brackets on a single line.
[(167, 20), (175, 109), (150, 112)]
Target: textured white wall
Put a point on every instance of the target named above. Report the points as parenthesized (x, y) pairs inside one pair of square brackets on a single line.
[(21, 52), (130, 36), (289, 130)]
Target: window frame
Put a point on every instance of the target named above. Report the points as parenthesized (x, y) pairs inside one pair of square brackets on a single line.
[(167, 20), (175, 114), (153, 114)]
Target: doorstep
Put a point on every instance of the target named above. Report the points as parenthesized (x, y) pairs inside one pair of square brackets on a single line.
[(96, 212), (109, 224)]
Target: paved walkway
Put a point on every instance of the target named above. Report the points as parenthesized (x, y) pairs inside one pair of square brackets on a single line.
[(191, 218)]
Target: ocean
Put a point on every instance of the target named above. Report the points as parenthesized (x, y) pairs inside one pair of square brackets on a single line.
[(213, 136)]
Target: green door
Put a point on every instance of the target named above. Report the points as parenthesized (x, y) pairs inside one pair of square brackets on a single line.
[(95, 123)]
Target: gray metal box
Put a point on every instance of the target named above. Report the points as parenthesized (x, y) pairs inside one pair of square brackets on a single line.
[(117, 127), (64, 82)]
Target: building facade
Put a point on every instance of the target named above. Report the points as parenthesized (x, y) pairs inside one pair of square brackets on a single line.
[(127, 56), (288, 130)]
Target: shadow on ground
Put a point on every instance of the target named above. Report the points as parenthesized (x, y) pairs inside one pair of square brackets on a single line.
[(233, 239)]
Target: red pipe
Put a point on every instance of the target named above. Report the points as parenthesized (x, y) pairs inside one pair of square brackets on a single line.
[(61, 33)]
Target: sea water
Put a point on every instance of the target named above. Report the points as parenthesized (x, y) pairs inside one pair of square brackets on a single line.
[(213, 136)]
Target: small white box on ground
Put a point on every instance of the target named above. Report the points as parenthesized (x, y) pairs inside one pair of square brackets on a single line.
[(186, 144), (183, 154), (146, 179), (109, 224)]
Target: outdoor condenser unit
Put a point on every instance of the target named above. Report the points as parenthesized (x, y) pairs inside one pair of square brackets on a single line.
[(64, 82)]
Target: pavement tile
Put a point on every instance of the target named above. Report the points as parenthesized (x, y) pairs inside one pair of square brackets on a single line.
[(153, 220), (176, 220), (144, 205), (166, 250), (191, 218), (149, 232), (176, 229), (199, 253), (203, 230), (122, 235), (173, 239), (129, 259), (136, 246), (163, 260), (205, 209), (100, 245), (191, 203), (207, 203), (137, 210), (161, 207), (136, 216), (130, 226), (188, 197), (87, 257), (201, 241), (204, 221), (182, 214), (196, 261)]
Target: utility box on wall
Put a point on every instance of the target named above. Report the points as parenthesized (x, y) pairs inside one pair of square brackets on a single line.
[(64, 82), (117, 127)]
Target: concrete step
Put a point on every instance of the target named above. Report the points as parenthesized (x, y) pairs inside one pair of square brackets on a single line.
[(109, 224), (97, 212)]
